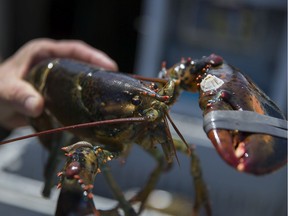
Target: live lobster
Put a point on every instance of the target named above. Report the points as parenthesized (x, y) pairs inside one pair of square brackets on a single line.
[(127, 110)]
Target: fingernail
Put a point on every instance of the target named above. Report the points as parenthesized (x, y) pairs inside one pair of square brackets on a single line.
[(109, 64), (106, 62), (31, 104)]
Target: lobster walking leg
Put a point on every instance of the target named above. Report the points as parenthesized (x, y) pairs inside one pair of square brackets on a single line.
[(123, 203), (51, 167), (161, 166), (53, 143), (201, 192), (202, 196), (143, 194)]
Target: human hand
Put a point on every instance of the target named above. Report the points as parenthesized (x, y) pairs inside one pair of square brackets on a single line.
[(18, 99)]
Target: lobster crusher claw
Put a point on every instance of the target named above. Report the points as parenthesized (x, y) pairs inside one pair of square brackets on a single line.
[(243, 154)]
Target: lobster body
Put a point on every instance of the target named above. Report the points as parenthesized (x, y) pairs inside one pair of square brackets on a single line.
[(77, 93), (223, 87)]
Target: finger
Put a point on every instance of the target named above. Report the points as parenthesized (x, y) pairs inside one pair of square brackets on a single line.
[(84, 52), (22, 97), (39, 49)]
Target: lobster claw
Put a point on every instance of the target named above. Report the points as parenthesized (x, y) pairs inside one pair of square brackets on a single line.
[(251, 152)]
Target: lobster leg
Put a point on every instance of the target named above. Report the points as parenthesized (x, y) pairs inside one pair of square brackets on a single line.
[(51, 167), (123, 203), (144, 193), (201, 192), (53, 143)]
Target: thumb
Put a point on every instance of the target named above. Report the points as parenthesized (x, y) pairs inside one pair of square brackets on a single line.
[(23, 98)]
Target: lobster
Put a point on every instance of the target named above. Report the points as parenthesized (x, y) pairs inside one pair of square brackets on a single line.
[(124, 110)]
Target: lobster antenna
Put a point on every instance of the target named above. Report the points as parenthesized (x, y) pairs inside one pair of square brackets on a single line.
[(71, 127), (178, 132)]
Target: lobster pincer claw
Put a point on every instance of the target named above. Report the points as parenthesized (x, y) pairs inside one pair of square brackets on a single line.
[(248, 141)]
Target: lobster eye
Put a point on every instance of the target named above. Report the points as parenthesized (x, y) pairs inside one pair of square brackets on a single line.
[(136, 100)]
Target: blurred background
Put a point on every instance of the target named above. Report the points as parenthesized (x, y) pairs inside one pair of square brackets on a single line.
[(139, 35)]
